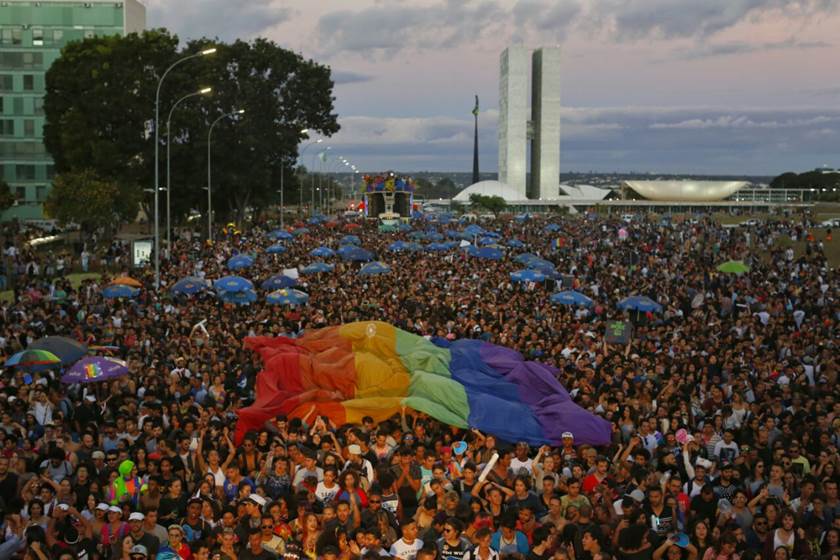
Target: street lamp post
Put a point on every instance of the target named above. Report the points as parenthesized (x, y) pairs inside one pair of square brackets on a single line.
[(209, 183), (300, 157), (202, 91), (205, 52)]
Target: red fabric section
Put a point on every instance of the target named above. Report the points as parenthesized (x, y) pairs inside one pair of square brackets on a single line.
[(316, 369)]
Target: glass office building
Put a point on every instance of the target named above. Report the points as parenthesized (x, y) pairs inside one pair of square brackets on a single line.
[(32, 34)]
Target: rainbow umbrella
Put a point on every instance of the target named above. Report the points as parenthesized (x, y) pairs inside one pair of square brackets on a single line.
[(37, 359), (95, 368), (67, 349)]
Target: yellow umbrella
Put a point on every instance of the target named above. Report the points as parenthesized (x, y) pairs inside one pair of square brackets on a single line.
[(127, 281)]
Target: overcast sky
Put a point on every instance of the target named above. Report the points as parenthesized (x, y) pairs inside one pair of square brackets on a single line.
[(663, 86)]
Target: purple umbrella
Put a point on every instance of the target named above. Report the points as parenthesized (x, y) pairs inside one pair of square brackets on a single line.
[(95, 368)]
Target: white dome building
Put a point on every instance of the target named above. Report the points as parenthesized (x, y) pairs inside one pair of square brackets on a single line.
[(685, 191), (489, 188)]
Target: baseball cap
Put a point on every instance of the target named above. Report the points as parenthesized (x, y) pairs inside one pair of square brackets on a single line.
[(354, 449), (98, 455), (257, 499), (102, 506), (136, 516), (139, 550), (175, 527), (459, 447), (681, 540), (114, 509), (565, 435)]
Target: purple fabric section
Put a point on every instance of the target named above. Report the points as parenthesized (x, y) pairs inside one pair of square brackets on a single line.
[(542, 392)]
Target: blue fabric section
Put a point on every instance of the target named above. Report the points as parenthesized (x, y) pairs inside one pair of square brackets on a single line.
[(495, 405)]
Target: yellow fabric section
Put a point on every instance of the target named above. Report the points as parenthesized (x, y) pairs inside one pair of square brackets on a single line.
[(378, 408), (379, 369)]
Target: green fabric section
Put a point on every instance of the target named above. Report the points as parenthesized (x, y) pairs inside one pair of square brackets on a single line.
[(440, 397), (418, 354)]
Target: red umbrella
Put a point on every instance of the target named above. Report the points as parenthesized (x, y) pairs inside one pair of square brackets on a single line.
[(351, 226)]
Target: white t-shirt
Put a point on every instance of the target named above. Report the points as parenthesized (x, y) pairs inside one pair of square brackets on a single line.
[(404, 551), (326, 495)]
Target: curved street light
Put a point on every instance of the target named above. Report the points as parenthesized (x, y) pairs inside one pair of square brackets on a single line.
[(202, 91), (209, 184), (204, 52), (300, 157)]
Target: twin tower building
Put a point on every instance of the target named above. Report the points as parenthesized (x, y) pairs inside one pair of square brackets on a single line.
[(537, 129)]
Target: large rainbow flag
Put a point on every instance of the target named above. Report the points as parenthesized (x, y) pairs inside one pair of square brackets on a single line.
[(373, 369)]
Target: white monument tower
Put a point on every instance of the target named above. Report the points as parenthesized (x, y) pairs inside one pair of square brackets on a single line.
[(542, 129)]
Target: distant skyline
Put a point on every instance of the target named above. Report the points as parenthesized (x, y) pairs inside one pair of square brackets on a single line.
[(663, 86)]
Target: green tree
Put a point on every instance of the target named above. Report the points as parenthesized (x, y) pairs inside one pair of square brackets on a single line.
[(84, 198), (99, 109), (7, 199), (494, 204)]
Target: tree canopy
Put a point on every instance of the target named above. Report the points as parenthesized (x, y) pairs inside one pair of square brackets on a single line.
[(84, 198), (100, 104), (6, 196), (494, 204)]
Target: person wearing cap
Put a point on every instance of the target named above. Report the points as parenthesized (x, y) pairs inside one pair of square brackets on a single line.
[(139, 552), (139, 535), (194, 525), (357, 461), (308, 468), (114, 530), (252, 518)]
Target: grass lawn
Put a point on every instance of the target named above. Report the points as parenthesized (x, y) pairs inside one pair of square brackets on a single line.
[(75, 280)]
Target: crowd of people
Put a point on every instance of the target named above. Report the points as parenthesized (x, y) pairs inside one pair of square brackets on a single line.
[(724, 406)]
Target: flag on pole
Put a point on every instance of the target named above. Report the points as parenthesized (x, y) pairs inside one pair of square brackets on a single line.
[(475, 109)]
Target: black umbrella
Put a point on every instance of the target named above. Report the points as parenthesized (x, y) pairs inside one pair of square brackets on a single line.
[(68, 350)]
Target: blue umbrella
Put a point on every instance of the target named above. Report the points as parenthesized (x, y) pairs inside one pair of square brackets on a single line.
[(473, 230), (398, 246), (376, 267), (489, 253), (280, 234), (275, 249), (239, 298), (277, 282), (353, 253), (552, 228), (524, 258), (522, 217), (350, 240), (232, 284), (434, 236), (412, 246), (487, 240), (240, 261), (189, 286), (571, 297), (437, 247), (287, 297), (452, 234), (115, 291), (540, 264), (300, 231), (515, 243), (315, 220), (419, 235), (404, 227), (322, 252), (527, 275), (317, 268), (639, 303)]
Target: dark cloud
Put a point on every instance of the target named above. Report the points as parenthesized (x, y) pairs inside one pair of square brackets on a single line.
[(343, 77), (674, 140), (740, 47), (387, 28), (637, 19), (226, 19)]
